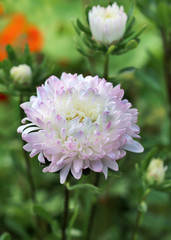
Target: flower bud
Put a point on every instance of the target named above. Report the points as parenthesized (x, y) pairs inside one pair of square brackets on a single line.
[(21, 75), (156, 171), (107, 24)]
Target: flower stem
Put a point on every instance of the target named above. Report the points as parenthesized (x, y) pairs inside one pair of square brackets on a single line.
[(139, 216), (30, 180), (65, 219), (106, 67), (92, 212), (27, 163), (167, 68)]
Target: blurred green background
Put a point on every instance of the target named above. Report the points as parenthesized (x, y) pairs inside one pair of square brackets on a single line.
[(119, 197)]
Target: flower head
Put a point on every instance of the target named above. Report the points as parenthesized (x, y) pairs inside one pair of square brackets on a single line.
[(77, 123), (107, 24), (156, 171), (21, 75)]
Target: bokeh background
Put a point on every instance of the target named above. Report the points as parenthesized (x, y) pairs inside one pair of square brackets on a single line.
[(47, 27)]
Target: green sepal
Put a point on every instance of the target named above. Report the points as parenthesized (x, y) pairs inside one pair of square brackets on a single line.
[(83, 28), (12, 56), (110, 49), (165, 186), (131, 45)]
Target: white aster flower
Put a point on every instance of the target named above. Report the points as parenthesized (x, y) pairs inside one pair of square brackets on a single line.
[(21, 75), (107, 24), (78, 123), (156, 171)]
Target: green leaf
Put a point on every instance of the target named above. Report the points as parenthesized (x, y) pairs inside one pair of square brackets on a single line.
[(11, 54), (83, 52), (140, 31), (131, 9), (148, 158), (87, 9), (165, 186), (83, 28), (28, 59), (129, 27), (115, 174), (55, 228), (5, 236), (127, 70), (42, 213), (84, 186), (88, 43), (148, 80), (76, 28)]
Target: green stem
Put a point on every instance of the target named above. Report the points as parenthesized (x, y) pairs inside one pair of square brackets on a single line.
[(139, 216), (167, 69), (27, 163), (66, 209), (72, 221), (106, 67), (30, 180), (92, 212)]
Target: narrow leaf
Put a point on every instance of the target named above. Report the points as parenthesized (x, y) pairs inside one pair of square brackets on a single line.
[(84, 187)]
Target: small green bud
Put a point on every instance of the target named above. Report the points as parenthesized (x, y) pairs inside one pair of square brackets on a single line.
[(131, 44), (143, 207), (21, 75)]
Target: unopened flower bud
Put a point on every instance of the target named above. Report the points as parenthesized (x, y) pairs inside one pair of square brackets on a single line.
[(21, 75), (156, 171), (107, 24)]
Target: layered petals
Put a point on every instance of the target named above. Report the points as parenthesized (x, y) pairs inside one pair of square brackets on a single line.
[(75, 123), (107, 24)]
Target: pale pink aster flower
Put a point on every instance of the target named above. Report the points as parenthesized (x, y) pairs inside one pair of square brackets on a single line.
[(107, 24), (78, 123)]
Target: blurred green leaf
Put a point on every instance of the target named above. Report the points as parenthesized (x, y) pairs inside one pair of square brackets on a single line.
[(127, 70), (151, 154), (5, 236), (148, 81), (42, 213), (84, 186), (12, 56)]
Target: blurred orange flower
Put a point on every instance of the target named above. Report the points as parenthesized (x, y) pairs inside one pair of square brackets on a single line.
[(17, 33)]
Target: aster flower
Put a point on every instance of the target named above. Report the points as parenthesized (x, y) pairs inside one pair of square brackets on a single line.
[(21, 75), (107, 24), (76, 123), (156, 171)]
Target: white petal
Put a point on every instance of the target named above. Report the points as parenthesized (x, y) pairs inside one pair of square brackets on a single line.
[(105, 171), (41, 158), (27, 147), (133, 146), (96, 166), (77, 175), (64, 173), (111, 164), (77, 165)]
